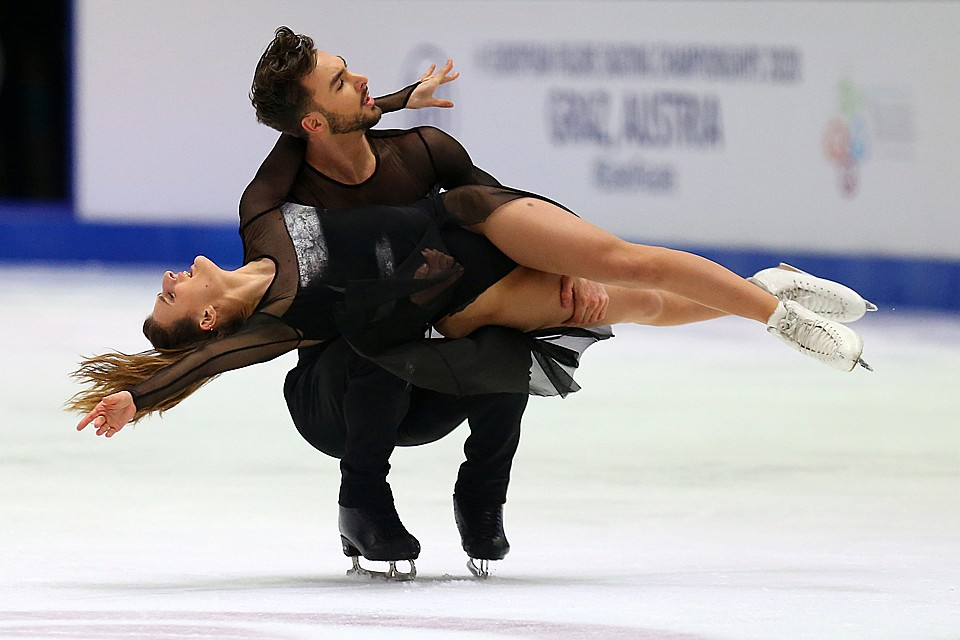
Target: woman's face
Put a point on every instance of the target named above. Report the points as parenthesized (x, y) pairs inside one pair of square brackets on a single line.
[(187, 294)]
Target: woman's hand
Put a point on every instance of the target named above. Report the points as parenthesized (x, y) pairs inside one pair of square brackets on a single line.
[(589, 300), (110, 414), (422, 96)]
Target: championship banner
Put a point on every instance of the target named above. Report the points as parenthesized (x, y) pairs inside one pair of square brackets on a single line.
[(824, 127)]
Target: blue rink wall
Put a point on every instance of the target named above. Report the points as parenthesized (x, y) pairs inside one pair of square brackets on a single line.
[(898, 59), (34, 233)]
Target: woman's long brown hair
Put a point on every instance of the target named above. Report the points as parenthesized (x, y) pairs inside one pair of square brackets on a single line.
[(110, 373)]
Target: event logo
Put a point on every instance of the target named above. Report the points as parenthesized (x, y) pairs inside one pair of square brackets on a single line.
[(634, 104), (846, 140)]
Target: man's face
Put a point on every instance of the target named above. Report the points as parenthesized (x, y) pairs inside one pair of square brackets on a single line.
[(340, 95)]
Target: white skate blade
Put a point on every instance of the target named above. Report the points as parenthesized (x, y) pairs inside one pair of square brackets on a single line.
[(787, 267)]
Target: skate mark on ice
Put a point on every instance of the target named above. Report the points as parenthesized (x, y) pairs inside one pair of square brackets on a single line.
[(182, 625)]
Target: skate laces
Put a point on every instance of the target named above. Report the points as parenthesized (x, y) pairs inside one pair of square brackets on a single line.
[(482, 522), (388, 522), (488, 523), (813, 336), (384, 520), (816, 299), (492, 521)]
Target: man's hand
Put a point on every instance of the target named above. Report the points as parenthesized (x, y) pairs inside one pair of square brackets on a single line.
[(422, 96), (110, 414), (589, 300)]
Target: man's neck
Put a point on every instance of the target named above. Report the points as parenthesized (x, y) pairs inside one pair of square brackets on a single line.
[(345, 158)]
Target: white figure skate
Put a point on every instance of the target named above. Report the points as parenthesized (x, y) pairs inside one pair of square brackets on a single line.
[(826, 298), (825, 340)]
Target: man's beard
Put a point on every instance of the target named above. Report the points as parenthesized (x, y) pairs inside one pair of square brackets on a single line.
[(348, 124)]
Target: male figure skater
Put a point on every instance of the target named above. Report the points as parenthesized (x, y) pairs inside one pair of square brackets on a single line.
[(345, 406)]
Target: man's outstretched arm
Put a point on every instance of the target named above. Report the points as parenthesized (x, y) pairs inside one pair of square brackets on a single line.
[(419, 95)]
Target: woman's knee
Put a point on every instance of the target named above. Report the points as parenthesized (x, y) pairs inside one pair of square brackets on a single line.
[(653, 306)]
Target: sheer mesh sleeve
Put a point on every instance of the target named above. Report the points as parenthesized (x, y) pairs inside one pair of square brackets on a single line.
[(262, 338), (397, 100), (275, 177), (451, 162)]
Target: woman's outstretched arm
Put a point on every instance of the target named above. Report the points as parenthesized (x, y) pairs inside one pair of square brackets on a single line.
[(123, 387)]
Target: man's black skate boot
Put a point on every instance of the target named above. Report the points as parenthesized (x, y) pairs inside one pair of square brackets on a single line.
[(377, 534), (481, 533)]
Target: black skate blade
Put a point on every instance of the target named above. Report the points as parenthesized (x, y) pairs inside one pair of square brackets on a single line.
[(863, 363), (392, 574)]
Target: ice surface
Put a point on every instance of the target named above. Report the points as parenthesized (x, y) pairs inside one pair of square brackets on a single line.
[(706, 483)]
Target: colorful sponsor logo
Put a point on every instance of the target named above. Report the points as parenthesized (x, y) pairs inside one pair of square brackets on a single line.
[(846, 139)]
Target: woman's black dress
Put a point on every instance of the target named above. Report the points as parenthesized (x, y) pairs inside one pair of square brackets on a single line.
[(362, 273)]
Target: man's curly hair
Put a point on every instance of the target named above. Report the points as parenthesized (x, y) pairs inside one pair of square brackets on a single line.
[(277, 93)]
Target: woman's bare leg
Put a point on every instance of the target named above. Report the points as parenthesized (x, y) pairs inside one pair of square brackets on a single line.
[(527, 300), (542, 236)]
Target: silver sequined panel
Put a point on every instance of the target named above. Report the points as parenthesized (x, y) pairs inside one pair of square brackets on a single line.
[(385, 259), (304, 228)]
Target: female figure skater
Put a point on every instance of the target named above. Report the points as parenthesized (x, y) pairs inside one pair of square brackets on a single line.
[(380, 275)]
